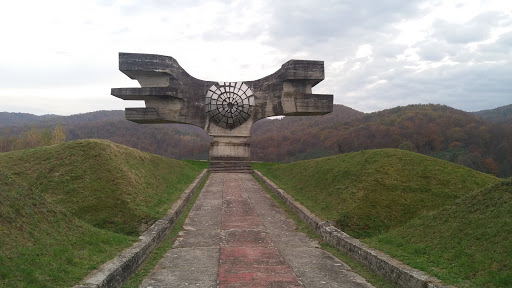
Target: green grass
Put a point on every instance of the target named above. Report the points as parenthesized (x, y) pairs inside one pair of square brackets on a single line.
[(447, 220), (107, 185), (370, 276), (467, 244), (148, 266), (370, 192), (66, 209), (42, 244), (198, 163)]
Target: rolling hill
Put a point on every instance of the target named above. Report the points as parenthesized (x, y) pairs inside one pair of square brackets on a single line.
[(436, 216), (66, 208), (369, 192), (466, 243), (175, 141), (435, 130), (498, 115)]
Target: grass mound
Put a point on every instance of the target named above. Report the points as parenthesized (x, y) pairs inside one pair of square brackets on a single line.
[(42, 245), (67, 208), (465, 244), (370, 192), (447, 220), (107, 185)]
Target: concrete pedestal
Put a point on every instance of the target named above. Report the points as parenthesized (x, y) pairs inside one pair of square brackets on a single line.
[(230, 148), (230, 154)]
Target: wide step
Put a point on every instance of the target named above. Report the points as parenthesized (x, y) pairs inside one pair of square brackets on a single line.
[(230, 167)]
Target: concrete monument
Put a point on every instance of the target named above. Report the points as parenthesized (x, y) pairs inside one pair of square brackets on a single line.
[(225, 110)]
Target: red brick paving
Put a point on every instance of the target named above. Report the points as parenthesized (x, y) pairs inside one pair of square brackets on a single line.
[(241, 222), (248, 258), (257, 276), (252, 256)]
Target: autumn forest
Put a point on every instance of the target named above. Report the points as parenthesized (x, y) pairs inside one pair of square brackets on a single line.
[(480, 140)]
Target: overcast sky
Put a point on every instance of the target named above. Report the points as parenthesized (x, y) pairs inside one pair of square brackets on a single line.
[(61, 57)]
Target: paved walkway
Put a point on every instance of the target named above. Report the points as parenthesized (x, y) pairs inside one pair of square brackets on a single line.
[(237, 236)]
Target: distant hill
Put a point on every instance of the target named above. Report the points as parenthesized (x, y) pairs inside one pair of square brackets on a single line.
[(436, 130), (7, 118), (67, 208), (176, 141), (498, 115)]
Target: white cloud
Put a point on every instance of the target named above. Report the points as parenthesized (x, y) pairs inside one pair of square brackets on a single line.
[(364, 51), (60, 57)]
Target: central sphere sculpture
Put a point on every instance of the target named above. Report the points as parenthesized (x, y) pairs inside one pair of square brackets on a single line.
[(228, 104)]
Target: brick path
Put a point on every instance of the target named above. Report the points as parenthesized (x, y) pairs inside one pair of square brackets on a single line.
[(237, 236)]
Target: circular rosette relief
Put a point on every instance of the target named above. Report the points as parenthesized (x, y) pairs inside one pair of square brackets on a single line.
[(228, 104)]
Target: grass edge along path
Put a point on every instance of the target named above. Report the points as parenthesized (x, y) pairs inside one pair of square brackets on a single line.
[(149, 265), (370, 276), (419, 249), (465, 244), (370, 192)]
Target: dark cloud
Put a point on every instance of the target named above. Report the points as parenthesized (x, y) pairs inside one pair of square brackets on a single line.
[(505, 41), (497, 51), (314, 21), (447, 70), (475, 30), (456, 33), (388, 50), (434, 51), (469, 87)]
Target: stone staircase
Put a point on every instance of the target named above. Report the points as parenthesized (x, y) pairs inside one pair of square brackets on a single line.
[(230, 167)]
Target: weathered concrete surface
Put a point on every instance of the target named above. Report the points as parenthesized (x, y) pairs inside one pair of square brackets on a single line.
[(225, 110), (194, 259), (172, 95), (117, 271), (237, 236), (390, 268)]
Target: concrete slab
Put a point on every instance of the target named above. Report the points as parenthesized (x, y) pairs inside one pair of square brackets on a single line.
[(318, 268), (204, 222), (195, 267), (198, 238)]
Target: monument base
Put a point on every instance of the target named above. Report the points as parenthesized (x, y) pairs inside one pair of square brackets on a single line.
[(230, 167), (230, 154)]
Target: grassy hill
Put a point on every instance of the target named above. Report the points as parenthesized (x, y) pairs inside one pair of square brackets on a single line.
[(466, 243), (67, 208), (369, 192), (434, 215)]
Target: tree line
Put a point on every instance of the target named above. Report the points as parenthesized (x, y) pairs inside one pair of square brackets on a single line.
[(435, 130), (33, 138)]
